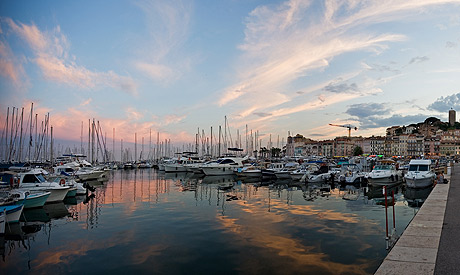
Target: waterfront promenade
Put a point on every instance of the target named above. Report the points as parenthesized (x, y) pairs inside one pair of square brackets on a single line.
[(431, 242)]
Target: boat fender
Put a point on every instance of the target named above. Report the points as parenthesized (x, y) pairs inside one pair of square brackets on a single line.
[(62, 182)]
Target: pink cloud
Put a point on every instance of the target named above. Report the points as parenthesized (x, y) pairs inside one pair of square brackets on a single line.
[(9, 67), (51, 55)]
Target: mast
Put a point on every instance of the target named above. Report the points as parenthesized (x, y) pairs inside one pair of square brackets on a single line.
[(113, 145), (220, 130), (211, 141), (150, 145), (20, 136), (30, 131), (51, 149), (247, 152), (89, 139), (93, 137), (6, 133)]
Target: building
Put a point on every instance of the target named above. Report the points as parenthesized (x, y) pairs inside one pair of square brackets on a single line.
[(452, 117)]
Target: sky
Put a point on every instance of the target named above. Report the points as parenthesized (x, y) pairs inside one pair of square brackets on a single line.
[(278, 67)]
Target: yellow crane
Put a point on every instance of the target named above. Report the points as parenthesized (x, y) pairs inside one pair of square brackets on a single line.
[(348, 126)]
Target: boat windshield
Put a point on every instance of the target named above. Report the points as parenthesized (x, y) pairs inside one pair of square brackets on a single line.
[(40, 178), (418, 168), (382, 167)]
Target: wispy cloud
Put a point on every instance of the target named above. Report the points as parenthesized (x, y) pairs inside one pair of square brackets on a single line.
[(10, 68), (419, 59), (51, 50), (286, 43), (160, 58)]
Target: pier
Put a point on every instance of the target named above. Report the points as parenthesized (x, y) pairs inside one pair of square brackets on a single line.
[(430, 243)]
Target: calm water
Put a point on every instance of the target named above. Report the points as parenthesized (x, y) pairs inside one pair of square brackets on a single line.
[(149, 222)]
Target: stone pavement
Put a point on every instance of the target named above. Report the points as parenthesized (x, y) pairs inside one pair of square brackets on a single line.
[(416, 251), (448, 258)]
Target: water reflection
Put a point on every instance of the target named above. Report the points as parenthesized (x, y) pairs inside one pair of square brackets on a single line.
[(170, 222), (415, 197)]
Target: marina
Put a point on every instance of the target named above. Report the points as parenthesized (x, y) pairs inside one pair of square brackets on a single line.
[(144, 220)]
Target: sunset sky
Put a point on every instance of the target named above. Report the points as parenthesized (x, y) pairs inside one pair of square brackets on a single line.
[(277, 66)]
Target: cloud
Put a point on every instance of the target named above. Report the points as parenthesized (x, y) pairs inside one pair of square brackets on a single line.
[(9, 66), (51, 50), (165, 62), (341, 88), (381, 68), (172, 119), (419, 59), (289, 43), (450, 44), (443, 104), (377, 115), (86, 102), (364, 110), (377, 122), (261, 114)]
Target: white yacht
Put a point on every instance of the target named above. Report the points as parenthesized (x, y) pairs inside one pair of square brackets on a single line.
[(223, 166), (34, 180), (419, 174), (384, 173)]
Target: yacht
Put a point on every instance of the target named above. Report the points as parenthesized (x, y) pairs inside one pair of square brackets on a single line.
[(34, 180), (384, 173), (223, 166), (419, 174)]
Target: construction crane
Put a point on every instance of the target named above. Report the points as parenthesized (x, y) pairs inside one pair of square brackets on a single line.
[(348, 126)]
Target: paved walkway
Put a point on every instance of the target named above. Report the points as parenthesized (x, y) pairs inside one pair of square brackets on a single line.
[(416, 251), (448, 259)]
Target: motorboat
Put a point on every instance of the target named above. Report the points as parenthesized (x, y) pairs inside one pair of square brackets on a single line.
[(31, 199), (307, 168), (13, 212), (419, 174), (269, 173), (351, 174), (322, 175), (34, 180), (223, 166), (2, 221), (384, 173), (285, 172), (249, 171)]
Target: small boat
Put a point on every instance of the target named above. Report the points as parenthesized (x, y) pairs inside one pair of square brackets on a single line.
[(13, 212), (31, 199), (250, 171), (384, 173), (34, 180), (2, 222), (419, 174)]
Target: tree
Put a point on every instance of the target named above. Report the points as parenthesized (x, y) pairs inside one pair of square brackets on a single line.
[(357, 151)]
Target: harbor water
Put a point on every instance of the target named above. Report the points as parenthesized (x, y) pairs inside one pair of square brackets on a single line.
[(149, 222)]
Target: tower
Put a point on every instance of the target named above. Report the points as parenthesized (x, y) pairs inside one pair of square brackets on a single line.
[(452, 117)]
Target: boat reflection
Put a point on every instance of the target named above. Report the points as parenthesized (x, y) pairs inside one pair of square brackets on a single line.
[(377, 194), (415, 197)]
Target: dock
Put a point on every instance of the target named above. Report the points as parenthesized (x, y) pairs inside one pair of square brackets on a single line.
[(431, 243)]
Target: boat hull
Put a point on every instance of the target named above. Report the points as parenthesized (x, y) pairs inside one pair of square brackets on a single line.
[(217, 171), (13, 212), (175, 168), (57, 195), (71, 193), (35, 200), (419, 182), (383, 181)]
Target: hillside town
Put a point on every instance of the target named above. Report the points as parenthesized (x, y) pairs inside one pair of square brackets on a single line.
[(431, 138)]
